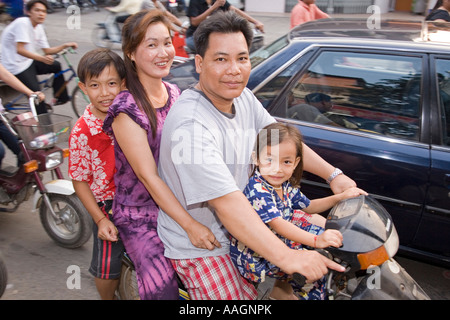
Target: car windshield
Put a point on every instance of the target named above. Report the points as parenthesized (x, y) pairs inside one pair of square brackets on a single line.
[(264, 53)]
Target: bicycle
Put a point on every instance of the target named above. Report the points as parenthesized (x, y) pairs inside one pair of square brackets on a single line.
[(17, 102)]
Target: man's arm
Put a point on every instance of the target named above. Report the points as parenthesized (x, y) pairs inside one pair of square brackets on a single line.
[(239, 218), (56, 49), (195, 21)]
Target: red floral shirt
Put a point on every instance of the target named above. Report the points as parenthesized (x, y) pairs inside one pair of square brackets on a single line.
[(92, 156)]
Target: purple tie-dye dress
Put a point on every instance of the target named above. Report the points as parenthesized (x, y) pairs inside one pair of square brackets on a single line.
[(134, 211)]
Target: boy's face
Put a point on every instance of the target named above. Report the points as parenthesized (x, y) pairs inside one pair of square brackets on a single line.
[(102, 90)]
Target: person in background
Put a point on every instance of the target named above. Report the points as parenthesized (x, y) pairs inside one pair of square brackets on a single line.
[(91, 163), (304, 11), (20, 43), (123, 10), (199, 10), (440, 12), (177, 25), (5, 135)]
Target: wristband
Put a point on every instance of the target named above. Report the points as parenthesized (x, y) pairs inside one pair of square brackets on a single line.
[(335, 173), (315, 240), (100, 220)]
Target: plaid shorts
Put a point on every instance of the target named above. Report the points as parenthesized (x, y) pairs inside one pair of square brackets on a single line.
[(213, 278)]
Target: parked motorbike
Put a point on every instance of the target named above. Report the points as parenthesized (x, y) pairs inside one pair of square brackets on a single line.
[(369, 245), (62, 214)]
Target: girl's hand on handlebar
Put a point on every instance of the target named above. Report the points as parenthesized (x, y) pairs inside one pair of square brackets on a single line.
[(329, 238)]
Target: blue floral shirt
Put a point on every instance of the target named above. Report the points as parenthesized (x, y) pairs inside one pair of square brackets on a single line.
[(268, 204)]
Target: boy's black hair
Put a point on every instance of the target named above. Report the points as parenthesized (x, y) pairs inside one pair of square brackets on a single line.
[(95, 61), (221, 22), (31, 3)]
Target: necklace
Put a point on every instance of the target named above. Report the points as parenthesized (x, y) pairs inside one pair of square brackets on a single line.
[(159, 102), (279, 188)]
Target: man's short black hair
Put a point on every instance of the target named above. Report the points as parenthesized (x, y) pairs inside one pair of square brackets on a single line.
[(221, 22), (31, 3)]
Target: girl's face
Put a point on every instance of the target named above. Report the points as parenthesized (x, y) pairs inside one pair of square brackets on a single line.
[(154, 55), (277, 163)]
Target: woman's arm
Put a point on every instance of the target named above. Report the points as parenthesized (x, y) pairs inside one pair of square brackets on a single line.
[(314, 164), (132, 139), (323, 204)]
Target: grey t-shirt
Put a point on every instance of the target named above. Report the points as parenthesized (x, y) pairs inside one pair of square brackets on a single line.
[(205, 154)]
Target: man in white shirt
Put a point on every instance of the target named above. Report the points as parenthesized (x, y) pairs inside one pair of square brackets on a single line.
[(20, 43)]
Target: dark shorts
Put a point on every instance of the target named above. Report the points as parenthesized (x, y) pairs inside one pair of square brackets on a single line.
[(106, 255)]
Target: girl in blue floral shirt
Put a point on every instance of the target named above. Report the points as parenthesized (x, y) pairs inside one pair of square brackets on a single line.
[(273, 190)]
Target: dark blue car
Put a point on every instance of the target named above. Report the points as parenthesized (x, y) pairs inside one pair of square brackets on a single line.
[(373, 101)]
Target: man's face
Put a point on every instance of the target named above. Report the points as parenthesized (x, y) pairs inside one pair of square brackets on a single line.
[(37, 14), (225, 68)]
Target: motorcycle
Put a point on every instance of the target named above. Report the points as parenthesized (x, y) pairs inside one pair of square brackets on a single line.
[(61, 212), (369, 245)]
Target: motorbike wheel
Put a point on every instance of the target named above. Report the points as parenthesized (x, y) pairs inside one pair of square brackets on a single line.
[(100, 37), (79, 101), (3, 277), (74, 226), (128, 287)]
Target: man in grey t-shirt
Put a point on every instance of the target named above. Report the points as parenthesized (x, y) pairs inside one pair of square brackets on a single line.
[(205, 154)]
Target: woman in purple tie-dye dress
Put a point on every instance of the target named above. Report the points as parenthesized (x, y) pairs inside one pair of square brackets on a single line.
[(136, 119)]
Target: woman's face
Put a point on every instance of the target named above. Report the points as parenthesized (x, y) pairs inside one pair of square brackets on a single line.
[(154, 55)]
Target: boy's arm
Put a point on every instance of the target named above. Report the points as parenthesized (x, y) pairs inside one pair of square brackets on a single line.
[(106, 229)]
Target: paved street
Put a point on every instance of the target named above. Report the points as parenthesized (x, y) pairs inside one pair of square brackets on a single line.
[(38, 269)]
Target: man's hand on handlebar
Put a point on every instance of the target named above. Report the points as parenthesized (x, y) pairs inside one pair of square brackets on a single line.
[(312, 265)]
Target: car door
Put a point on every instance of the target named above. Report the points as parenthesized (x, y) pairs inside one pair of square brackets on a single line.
[(376, 134), (433, 234)]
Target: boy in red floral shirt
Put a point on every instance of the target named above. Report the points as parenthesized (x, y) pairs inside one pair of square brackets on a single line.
[(92, 165)]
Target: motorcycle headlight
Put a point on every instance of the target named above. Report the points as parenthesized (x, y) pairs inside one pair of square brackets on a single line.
[(53, 160)]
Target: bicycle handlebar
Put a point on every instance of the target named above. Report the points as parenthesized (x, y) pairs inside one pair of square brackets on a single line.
[(64, 51)]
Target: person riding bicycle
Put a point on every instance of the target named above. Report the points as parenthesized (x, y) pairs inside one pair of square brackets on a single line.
[(123, 10), (20, 43)]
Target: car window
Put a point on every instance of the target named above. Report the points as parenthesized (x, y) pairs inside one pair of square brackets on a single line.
[(443, 74), (264, 53), (376, 93)]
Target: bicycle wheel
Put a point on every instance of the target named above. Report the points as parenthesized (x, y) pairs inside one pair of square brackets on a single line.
[(100, 37), (79, 101)]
